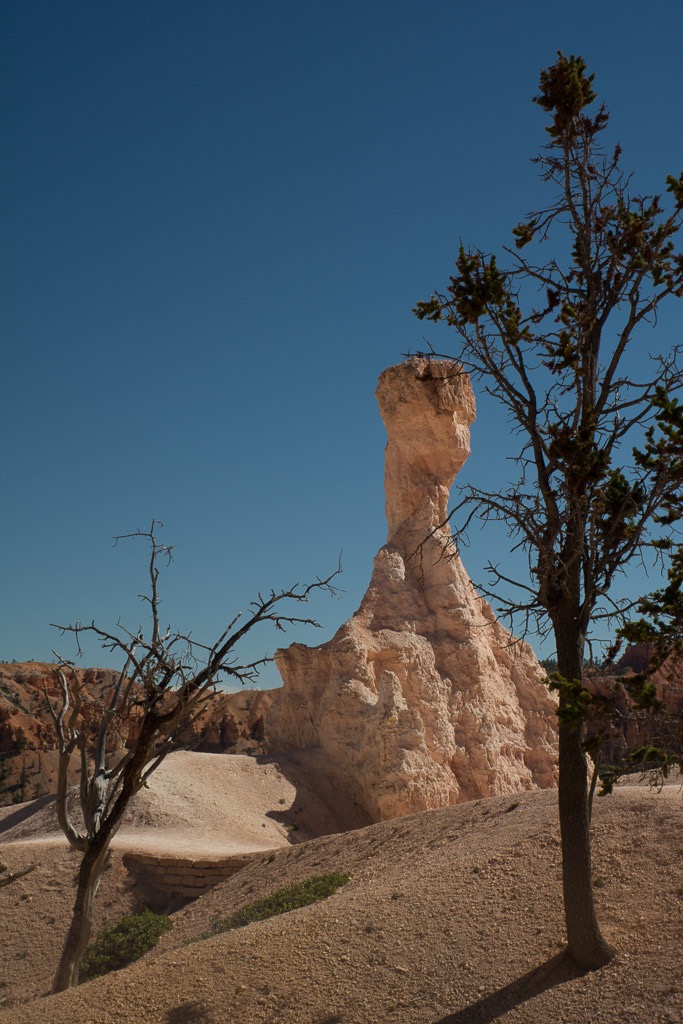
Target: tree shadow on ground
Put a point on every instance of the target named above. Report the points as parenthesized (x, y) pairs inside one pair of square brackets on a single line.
[(189, 1013), (556, 971), (26, 811)]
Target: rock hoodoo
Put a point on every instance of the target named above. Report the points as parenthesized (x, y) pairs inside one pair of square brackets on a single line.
[(421, 699)]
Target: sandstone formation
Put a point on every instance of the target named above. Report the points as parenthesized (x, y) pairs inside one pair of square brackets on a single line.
[(422, 699)]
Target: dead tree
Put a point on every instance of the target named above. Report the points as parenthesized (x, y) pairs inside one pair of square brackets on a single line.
[(164, 685)]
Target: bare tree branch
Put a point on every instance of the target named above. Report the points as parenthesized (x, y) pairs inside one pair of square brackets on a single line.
[(13, 876)]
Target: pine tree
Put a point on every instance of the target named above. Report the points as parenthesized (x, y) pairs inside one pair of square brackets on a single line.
[(583, 506)]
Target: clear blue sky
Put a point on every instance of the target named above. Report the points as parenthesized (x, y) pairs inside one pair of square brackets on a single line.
[(217, 218)]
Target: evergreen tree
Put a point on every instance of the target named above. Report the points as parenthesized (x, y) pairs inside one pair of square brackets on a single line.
[(584, 506)]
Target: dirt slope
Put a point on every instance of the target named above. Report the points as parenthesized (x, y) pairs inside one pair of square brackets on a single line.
[(451, 916)]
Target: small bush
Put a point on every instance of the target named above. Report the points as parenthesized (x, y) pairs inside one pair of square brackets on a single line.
[(282, 901), (122, 944)]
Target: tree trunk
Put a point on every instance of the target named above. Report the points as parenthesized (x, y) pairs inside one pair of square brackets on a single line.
[(80, 929), (585, 944)]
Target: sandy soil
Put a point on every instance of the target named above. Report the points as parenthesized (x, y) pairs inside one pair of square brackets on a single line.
[(450, 917), (238, 802)]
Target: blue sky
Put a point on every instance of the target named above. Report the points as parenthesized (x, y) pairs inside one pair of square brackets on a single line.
[(217, 218)]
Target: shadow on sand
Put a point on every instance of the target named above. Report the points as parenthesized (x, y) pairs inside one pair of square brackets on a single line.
[(556, 971), (325, 809), (188, 1013), (26, 811)]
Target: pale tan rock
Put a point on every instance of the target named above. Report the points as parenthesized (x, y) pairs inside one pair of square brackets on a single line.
[(421, 699)]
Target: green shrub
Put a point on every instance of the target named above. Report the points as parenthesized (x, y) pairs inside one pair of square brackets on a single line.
[(122, 944), (282, 901)]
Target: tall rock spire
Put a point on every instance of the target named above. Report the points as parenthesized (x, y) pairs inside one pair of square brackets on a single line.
[(427, 408), (422, 698)]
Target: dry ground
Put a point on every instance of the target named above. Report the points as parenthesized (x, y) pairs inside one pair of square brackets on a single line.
[(450, 917)]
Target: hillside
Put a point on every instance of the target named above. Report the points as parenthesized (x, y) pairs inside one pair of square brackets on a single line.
[(451, 916)]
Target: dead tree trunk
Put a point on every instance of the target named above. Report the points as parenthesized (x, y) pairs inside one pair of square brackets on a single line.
[(80, 929), (160, 692)]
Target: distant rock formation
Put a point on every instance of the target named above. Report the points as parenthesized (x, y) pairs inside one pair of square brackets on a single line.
[(628, 729), (422, 699), (28, 745), (232, 722)]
